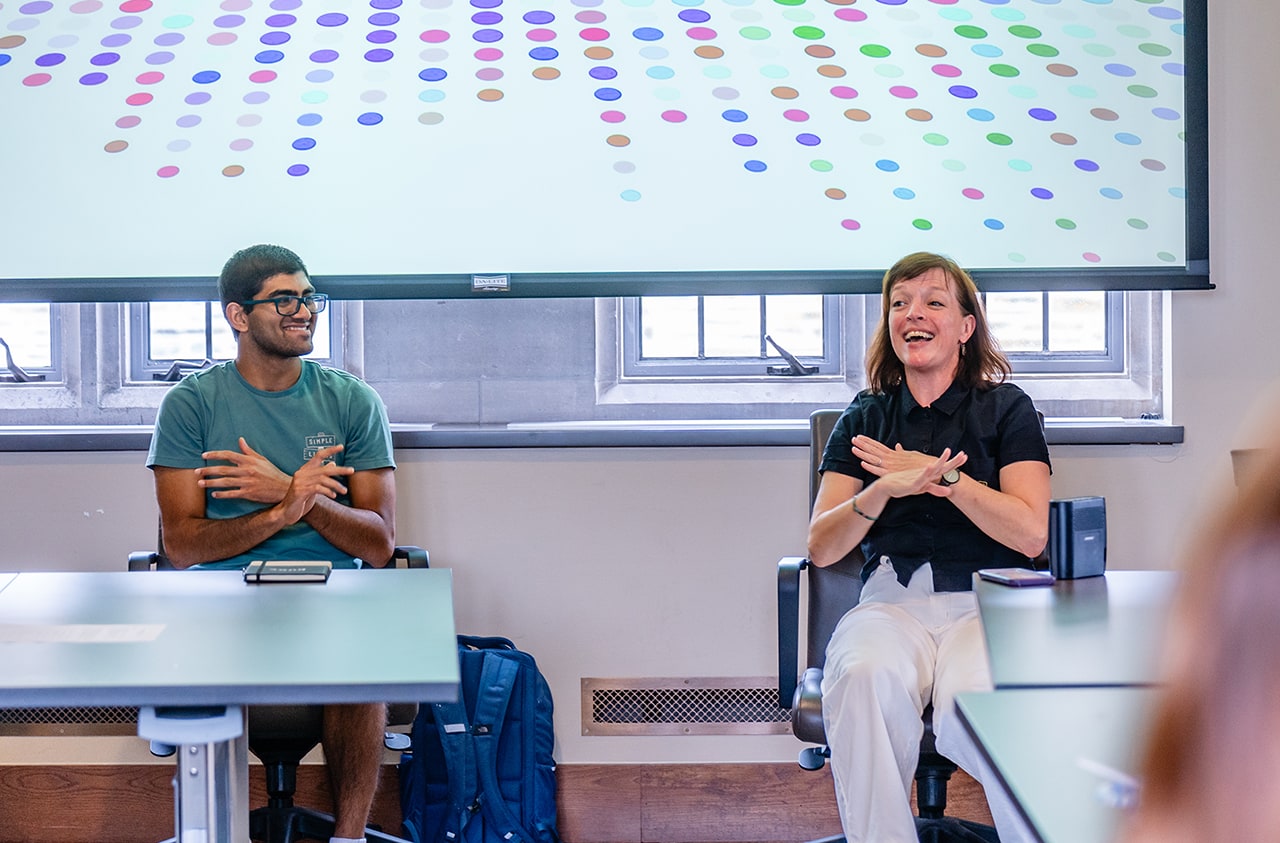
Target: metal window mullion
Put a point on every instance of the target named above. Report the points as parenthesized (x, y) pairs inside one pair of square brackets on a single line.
[(1044, 323), (139, 339), (832, 330), (764, 326), (208, 330), (702, 328), (631, 329), (57, 363), (1114, 323)]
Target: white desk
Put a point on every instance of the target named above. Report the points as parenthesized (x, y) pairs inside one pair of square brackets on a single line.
[(1096, 632), (1067, 756), (1076, 666), (174, 641)]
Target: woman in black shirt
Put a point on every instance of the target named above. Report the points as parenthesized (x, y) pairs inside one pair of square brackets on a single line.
[(938, 469)]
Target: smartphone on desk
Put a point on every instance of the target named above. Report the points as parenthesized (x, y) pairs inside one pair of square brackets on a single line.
[(284, 570), (1016, 577)]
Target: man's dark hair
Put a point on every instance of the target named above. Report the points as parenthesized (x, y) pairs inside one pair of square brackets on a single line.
[(244, 272)]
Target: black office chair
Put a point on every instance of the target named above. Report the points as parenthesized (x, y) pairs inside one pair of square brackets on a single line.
[(832, 591), (281, 735)]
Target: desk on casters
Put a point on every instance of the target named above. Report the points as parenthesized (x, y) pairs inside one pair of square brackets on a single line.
[(1096, 632), (1074, 665), (191, 648), (1067, 756)]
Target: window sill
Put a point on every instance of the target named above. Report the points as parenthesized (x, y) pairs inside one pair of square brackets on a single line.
[(614, 434)]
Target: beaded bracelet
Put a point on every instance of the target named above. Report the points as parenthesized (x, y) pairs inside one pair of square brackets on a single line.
[(854, 501)]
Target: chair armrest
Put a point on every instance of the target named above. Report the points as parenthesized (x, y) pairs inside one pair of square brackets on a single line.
[(144, 560), (412, 556), (789, 568), (806, 708), (404, 556)]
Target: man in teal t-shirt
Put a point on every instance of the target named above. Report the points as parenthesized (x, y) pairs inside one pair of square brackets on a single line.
[(274, 457), (216, 418)]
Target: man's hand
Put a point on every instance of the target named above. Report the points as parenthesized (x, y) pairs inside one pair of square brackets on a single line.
[(250, 475), (317, 477)]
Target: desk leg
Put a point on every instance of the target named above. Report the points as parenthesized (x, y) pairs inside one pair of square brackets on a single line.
[(211, 782)]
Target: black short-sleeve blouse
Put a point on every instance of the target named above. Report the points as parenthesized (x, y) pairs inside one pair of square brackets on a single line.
[(995, 427)]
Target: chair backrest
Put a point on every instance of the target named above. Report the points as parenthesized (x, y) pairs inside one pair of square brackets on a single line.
[(403, 556), (835, 589)]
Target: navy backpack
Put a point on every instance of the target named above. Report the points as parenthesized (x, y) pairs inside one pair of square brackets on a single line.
[(480, 770)]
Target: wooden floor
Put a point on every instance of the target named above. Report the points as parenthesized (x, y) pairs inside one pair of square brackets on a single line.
[(625, 803), (714, 803)]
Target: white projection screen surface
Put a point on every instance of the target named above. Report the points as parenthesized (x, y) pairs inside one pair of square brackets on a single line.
[(600, 146)]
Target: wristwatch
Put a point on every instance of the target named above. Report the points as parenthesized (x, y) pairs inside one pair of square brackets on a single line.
[(949, 478)]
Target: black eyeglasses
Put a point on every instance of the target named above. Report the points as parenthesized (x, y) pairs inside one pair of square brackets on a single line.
[(289, 305)]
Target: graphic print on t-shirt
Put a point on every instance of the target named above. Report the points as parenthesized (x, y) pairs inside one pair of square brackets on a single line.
[(317, 441)]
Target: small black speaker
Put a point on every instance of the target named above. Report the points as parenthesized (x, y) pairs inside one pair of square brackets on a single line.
[(1078, 538)]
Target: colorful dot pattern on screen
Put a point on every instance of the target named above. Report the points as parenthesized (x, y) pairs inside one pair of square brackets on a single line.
[(821, 92)]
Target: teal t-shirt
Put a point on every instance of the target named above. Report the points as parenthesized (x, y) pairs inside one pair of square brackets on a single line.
[(211, 409)]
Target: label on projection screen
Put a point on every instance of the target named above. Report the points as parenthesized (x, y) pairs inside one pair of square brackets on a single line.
[(155, 138)]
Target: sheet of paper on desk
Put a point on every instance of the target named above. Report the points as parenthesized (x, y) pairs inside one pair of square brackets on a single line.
[(1117, 789), (79, 633)]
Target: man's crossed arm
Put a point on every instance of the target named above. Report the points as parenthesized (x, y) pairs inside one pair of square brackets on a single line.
[(365, 529)]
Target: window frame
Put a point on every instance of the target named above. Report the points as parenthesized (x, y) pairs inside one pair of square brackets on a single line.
[(55, 372), (459, 364), (634, 366), (1137, 390), (1060, 363), (143, 368), (1110, 361)]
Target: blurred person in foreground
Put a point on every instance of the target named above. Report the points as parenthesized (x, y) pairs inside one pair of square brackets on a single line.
[(1208, 770)]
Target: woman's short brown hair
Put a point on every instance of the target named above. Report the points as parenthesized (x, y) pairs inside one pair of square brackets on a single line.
[(982, 363)]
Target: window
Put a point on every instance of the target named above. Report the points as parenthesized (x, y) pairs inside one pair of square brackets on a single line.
[(729, 335), (1085, 353), (30, 335), (170, 339), (738, 336), (1061, 332), (541, 361), (1079, 378)]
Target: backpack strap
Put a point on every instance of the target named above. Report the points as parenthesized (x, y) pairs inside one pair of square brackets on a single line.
[(497, 681), (460, 764)]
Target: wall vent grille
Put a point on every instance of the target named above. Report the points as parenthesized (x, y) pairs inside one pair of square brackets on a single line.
[(103, 720), (683, 706)]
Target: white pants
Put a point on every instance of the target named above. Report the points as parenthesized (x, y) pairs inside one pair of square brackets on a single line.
[(897, 650)]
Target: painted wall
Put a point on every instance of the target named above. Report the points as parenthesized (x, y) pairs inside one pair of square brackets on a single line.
[(659, 562)]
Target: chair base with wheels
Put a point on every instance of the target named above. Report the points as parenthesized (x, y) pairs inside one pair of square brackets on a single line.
[(828, 589), (280, 736), (942, 830), (952, 830)]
